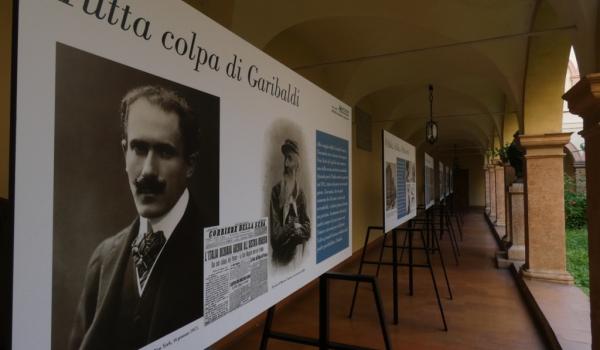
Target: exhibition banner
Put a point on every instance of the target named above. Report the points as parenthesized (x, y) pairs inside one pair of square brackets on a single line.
[(172, 181), (399, 181), (429, 181)]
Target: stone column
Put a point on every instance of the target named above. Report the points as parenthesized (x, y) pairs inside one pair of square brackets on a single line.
[(584, 100), (492, 173), (509, 178), (517, 221), (544, 208), (500, 202), (486, 171)]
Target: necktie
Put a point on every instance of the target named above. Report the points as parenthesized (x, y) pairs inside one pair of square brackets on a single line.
[(145, 251)]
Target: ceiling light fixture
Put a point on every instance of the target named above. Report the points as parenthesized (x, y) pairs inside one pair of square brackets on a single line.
[(431, 127)]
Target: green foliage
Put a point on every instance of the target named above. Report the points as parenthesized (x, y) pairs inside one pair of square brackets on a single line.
[(577, 257), (502, 152), (575, 205)]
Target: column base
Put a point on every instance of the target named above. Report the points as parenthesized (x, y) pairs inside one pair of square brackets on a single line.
[(516, 252), (562, 277)]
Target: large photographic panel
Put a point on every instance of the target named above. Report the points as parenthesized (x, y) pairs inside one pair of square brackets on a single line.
[(171, 182), (399, 181)]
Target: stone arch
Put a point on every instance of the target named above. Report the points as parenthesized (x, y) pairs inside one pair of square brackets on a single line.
[(547, 62)]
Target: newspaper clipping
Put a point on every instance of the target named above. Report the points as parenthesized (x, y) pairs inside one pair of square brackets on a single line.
[(235, 266)]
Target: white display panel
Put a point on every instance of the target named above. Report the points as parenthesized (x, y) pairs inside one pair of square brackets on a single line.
[(399, 181), (429, 181), (217, 138)]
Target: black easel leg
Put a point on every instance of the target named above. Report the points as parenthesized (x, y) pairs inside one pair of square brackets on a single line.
[(267, 330), (444, 226), (323, 313), (443, 267), (459, 226), (395, 274), (410, 262), (428, 231), (402, 248), (381, 315), (360, 267), (381, 254), (452, 233), (437, 294)]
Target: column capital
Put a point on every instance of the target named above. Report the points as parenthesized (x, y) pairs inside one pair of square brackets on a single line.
[(545, 145), (518, 188), (584, 98)]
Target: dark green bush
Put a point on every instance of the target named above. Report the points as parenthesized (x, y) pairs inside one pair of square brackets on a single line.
[(575, 205)]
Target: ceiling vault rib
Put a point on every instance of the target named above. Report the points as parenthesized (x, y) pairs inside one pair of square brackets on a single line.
[(435, 47)]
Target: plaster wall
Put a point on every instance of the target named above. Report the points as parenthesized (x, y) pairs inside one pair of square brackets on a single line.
[(511, 125), (474, 164), (544, 83), (366, 187)]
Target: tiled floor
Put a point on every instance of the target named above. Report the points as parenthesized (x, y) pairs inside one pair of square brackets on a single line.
[(487, 311)]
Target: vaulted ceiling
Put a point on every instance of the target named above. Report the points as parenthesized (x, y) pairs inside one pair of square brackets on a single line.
[(381, 55)]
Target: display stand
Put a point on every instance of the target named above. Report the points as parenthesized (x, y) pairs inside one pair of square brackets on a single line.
[(442, 226), (409, 237), (455, 213), (323, 342), (431, 243), (446, 226)]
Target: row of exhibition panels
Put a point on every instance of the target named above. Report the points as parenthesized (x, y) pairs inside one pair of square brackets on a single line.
[(266, 201)]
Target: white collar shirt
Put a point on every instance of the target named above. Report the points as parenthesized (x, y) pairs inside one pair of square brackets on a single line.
[(166, 224)]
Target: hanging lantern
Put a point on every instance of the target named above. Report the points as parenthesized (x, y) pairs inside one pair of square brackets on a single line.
[(431, 128)]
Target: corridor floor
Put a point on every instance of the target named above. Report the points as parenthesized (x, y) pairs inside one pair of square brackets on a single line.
[(487, 311)]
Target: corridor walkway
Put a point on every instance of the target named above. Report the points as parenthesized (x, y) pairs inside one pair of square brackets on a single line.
[(487, 311)]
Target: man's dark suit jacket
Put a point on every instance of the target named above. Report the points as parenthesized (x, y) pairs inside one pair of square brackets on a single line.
[(177, 277)]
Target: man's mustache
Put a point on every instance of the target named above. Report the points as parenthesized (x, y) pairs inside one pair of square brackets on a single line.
[(149, 185)]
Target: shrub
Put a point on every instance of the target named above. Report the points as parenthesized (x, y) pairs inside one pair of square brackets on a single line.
[(577, 257), (575, 205)]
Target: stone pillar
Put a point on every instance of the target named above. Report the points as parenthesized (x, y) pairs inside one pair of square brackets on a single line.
[(509, 178), (544, 208), (486, 171), (492, 173), (517, 221), (500, 202), (584, 100)]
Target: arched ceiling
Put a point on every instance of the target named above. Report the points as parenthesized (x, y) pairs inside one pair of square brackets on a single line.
[(383, 54)]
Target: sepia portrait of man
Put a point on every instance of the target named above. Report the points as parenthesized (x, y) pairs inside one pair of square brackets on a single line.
[(289, 221), (136, 183), (146, 281)]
